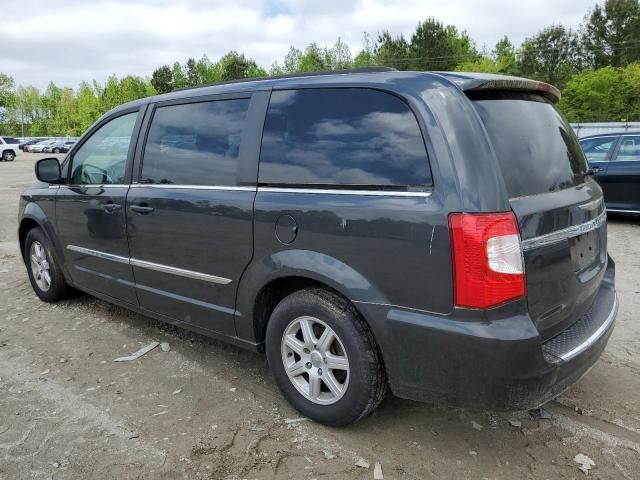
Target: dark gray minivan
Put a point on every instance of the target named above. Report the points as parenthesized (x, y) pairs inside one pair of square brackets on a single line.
[(438, 234)]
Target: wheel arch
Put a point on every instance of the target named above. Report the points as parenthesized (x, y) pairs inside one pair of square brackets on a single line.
[(34, 217), (265, 283)]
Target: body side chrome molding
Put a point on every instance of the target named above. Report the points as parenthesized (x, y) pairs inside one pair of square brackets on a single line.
[(170, 186), (152, 266), (158, 267), (98, 185), (337, 191), (565, 233), (595, 336), (99, 254)]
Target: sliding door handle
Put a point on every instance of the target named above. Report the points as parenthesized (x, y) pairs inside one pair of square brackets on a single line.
[(111, 207), (141, 209)]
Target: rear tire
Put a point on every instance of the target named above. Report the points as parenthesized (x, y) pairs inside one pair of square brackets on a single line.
[(334, 372), (45, 274), (56, 150), (8, 156)]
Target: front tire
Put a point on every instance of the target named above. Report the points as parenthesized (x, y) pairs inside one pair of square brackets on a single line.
[(8, 156), (45, 274), (324, 357)]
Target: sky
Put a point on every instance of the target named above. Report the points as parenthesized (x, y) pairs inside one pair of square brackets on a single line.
[(67, 41)]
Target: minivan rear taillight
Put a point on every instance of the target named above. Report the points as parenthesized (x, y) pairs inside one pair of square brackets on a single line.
[(487, 259)]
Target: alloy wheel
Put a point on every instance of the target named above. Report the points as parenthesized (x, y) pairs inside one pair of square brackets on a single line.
[(315, 360), (40, 266)]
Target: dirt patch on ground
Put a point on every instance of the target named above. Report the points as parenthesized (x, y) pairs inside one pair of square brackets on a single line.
[(209, 410)]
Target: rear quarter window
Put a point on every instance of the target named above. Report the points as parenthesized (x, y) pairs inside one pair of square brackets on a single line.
[(536, 148), (350, 137)]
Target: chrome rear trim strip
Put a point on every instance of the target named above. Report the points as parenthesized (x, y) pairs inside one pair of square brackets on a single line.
[(615, 210), (337, 191), (180, 272), (595, 336), (152, 266), (569, 232), (96, 253)]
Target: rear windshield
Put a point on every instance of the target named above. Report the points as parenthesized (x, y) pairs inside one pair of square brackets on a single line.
[(536, 147)]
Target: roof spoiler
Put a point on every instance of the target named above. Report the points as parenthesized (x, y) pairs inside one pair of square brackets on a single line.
[(511, 84)]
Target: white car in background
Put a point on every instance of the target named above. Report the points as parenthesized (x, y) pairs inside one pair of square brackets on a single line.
[(39, 147), (9, 148)]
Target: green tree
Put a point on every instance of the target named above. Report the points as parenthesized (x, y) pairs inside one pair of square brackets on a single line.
[(6, 89), (392, 51), (338, 56), (501, 60), (162, 79), (505, 56), (610, 34), (435, 46), (552, 56), (6, 98), (88, 107), (193, 75), (607, 94), (236, 66), (313, 59), (366, 56), (179, 76)]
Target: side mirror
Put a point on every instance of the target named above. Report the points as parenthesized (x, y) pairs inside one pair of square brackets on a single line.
[(48, 170)]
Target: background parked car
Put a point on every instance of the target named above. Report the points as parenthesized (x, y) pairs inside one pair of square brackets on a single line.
[(25, 145), (39, 147), (67, 145), (54, 147), (9, 148), (615, 161)]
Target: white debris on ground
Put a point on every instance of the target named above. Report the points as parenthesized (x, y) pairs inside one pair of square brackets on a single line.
[(515, 423), (165, 346), (137, 354), (377, 472), (584, 462), (294, 422), (476, 425), (362, 463), (328, 454)]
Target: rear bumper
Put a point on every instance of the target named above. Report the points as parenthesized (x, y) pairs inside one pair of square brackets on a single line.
[(486, 363)]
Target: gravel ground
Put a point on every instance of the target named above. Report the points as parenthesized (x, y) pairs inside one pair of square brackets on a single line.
[(208, 410)]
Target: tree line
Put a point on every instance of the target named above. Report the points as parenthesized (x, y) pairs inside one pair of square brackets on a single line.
[(597, 67)]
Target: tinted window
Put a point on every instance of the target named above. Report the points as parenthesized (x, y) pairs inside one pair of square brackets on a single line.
[(195, 143), (536, 147), (342, 137), (102, 159), (10, 140), (597, 149), (629, 149)]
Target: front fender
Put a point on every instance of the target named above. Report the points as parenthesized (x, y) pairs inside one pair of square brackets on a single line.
[(299, 263), (39, 208)]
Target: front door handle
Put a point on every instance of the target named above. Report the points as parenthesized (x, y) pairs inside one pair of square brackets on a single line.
[(141, 209)]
